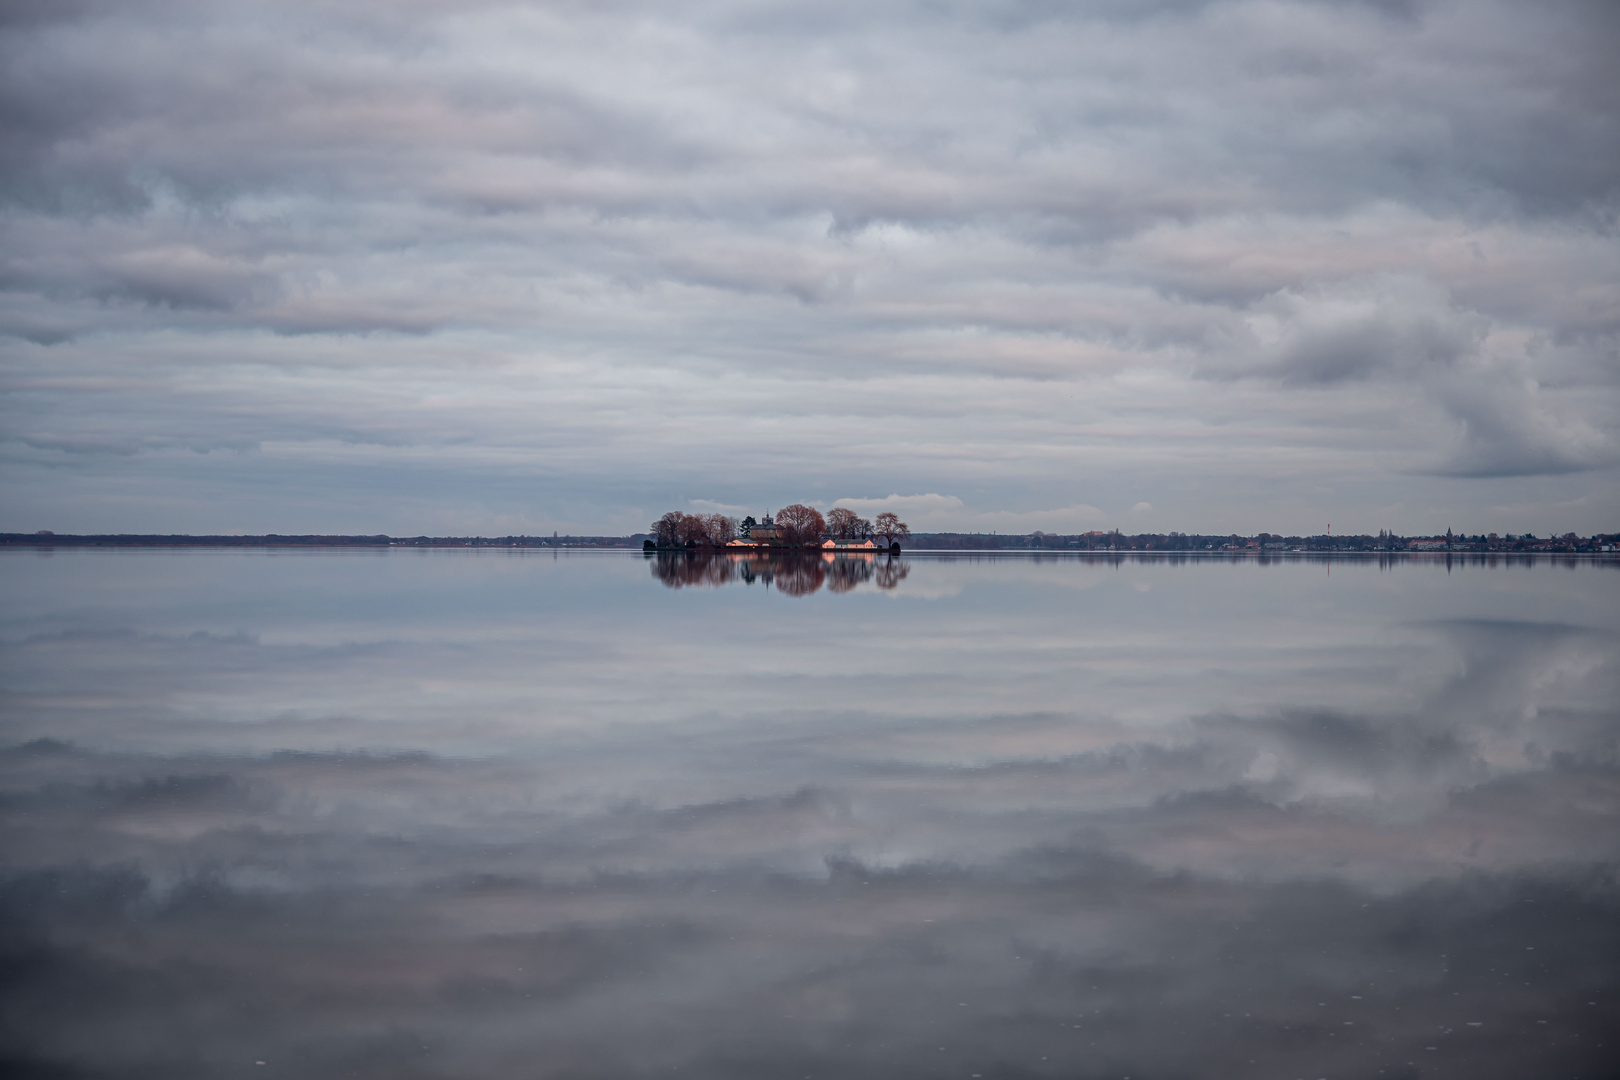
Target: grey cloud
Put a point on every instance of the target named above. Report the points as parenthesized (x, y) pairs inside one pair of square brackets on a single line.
[(1509, 431), (821, 214), (178, 279), (36, 12), (1390, 326), (1406, 332)]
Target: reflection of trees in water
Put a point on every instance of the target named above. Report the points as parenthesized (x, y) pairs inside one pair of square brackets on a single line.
[(679, 569), (796, 573), (800, 575), (844, 574), (891, 572)]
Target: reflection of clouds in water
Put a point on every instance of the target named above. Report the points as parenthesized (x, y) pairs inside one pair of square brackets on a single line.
[(821, 879), (417, 916)]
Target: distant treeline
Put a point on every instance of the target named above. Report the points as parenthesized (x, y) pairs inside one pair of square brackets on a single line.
[(1262, 543), (49, 539), (1259, 543)]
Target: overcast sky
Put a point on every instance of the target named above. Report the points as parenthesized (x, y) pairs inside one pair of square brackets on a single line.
[(476, 267)]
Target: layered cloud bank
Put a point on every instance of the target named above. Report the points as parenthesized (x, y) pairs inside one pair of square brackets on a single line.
[(493, 267)]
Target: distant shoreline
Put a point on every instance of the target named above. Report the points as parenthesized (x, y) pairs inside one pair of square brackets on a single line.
[(1099, 544)]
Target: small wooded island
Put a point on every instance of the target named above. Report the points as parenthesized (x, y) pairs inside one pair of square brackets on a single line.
[(795, 527)]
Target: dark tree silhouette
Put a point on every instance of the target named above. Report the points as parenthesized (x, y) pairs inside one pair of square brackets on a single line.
[(799, 524), (891, 528), (667, 529), (841, 523), (693, 529)]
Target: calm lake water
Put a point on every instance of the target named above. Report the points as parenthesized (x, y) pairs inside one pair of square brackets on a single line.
[(488, 814)]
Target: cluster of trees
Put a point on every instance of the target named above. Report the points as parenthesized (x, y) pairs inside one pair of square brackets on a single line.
[(796, 526), (676, 529)]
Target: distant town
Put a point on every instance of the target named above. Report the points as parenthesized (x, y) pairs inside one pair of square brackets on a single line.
[(754, 535)]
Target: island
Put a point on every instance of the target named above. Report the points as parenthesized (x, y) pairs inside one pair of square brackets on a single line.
[(796, 527)]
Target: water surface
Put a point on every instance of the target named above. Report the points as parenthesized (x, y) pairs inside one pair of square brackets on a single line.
[(486, 814)]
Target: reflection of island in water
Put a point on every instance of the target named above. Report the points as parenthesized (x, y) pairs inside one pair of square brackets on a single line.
[(796, 573)]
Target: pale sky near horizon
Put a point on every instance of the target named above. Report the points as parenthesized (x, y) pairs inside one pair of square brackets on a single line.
[(477, 267)]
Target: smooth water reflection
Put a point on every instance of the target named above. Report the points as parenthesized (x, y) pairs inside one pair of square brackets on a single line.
[(447, 814), (792, 573)]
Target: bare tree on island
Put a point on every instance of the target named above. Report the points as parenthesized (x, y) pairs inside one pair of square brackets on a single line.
[(667, 529), (891, 528), (842, 524), (799, 524), (694, 530), (719, 529)]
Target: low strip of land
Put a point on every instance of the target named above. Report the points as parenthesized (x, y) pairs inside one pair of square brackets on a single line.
[(1261, 543)]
